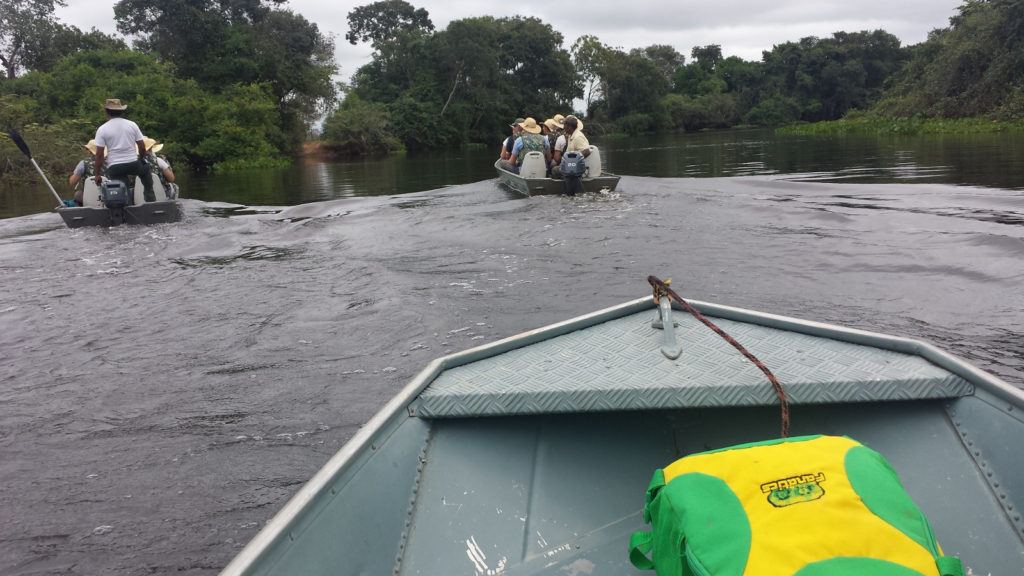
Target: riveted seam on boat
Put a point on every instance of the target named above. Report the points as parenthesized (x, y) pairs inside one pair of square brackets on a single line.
[(987, 474), (411, 509)]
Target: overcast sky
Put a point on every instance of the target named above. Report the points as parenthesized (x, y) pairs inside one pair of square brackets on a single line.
[(742, 28)]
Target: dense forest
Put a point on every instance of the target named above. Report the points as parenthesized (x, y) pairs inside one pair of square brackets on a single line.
[(427, 87), (237, 83), (225, 83)]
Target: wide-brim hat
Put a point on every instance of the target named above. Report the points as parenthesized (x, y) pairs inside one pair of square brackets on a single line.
[(559, 119), (530, 125), (517, 122), (91, 146), (152, 145), (114, 104), (579, 123), (551, 124)]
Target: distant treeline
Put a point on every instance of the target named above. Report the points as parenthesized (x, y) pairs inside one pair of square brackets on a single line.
[(228, 83), (426, 88), (237, 83)]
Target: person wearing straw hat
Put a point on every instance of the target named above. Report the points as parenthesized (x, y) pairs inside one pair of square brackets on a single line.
[(119, 143), (553, 130), (83, 170), (160, 166), (530, 140)]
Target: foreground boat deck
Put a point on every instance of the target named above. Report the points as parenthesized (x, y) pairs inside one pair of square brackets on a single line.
[(453, 478)]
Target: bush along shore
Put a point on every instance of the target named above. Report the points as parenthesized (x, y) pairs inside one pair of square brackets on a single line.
[(863, 126)]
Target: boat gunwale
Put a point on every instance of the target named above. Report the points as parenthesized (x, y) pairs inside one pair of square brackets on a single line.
[(145, 214), (399, 408), (605, 180)]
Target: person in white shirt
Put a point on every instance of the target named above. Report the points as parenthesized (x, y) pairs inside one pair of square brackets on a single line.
[(119, 144)]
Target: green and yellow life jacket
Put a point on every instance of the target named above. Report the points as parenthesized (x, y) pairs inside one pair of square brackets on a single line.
[(808, 506)]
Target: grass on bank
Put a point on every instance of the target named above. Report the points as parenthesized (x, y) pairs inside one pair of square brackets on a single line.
[(868, 126)]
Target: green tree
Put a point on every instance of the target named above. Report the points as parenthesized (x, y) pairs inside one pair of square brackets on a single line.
[(707, 57), (221, 44), (297, 63), (234, 126), (589, 56), (691, 79), (540, 71), (974, 67), (742, 78), (358, 127), (827, 77), (665, 57), (23, 25), (465, 83), (386, 23), (43, 52), (634, 84), (398, 33), (466, 58)]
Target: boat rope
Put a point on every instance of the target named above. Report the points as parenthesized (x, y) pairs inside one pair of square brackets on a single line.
[(662, 289)]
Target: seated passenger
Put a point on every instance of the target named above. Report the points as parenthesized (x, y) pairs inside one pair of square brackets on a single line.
[(574, 141), (574, 138), (161, 167), (529, 141), (83, 170), (508, 143), (553, 131)]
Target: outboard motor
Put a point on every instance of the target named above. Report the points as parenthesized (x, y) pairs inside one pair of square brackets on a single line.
[(114, 194), (573, 167)]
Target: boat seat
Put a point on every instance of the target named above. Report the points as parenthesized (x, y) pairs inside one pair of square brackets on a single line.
[(593, 163), (533, 166), (158, 191), (91, 195)]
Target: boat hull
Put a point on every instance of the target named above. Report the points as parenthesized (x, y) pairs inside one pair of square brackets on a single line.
[(532, 455), (94, 213), (149, 213), (551, 186)]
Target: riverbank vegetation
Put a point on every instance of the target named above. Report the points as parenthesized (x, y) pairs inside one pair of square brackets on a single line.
[(464, 83), (855, 123), (227, 84), (240, 83)]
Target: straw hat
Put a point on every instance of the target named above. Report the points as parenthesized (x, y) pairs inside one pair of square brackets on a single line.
[(579, 123), (551, 124), (152, 145), (91, 146), (530, 125), (559, 119), (114, 104)]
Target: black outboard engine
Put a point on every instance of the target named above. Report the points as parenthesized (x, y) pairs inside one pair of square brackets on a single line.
[(115, 196), (573, 167)]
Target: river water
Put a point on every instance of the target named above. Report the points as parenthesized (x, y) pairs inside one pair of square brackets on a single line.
[(164, 390)]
